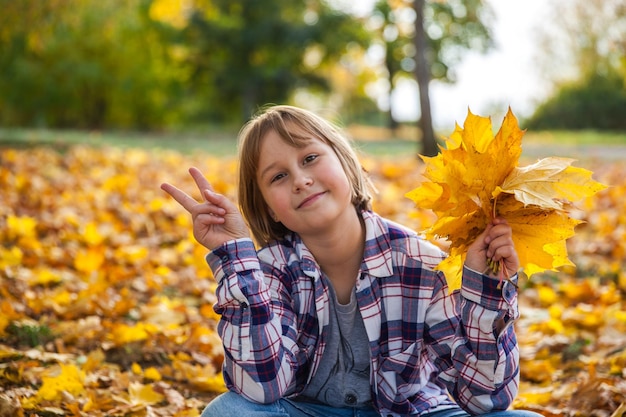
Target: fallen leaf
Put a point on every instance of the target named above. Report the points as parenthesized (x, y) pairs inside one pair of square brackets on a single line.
[(153, 268), (141, 394), (65, 378)]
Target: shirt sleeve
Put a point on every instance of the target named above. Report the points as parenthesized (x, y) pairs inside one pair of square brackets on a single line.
[(482, 372), (258, 362)]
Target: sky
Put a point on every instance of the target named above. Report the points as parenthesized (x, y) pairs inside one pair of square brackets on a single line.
[(488, 84)]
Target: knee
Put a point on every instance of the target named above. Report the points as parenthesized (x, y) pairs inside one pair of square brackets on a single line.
[(230, 404), (523, 413), (223, 405)]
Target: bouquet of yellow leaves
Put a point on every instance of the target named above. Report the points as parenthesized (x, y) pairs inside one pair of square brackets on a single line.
[(476, 178)]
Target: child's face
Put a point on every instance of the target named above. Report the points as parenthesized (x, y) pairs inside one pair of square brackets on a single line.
[(306, 188)]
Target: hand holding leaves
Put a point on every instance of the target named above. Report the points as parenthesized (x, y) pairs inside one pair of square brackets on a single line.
[(215, 220), (475, 180), (493, 251)]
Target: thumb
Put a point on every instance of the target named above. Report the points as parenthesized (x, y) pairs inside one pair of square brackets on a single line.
[(481, 242)]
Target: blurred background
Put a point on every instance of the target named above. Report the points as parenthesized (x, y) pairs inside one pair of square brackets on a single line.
[(207, 65), (106, 303)]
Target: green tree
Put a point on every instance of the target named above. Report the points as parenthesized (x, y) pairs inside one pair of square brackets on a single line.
[(583, 55), (244, 53), (86, 64), (425, 40), (595, 102)]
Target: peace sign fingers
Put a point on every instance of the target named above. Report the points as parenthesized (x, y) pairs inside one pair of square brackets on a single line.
[(180, 196), (216, 219)]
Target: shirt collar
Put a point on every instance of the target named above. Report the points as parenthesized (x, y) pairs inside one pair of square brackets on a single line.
[(377, 259), (308, 264)]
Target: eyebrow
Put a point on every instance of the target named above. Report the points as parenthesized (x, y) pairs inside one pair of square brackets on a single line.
[(273, 164), (268, 168)]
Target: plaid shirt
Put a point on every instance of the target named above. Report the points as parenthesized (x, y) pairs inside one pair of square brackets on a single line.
[(274, 309)]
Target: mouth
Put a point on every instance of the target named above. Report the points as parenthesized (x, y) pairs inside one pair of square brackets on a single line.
[(310, 199)]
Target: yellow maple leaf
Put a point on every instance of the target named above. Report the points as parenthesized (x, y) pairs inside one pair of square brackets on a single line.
[(141, 394), (89, 260), (21, 226), (548, 182), (152, 373), (123, 333), (92, 235), (10, 257), (95, 359), (136, 368), (203, 377), (43, 276), (69, 379), (475, 177)]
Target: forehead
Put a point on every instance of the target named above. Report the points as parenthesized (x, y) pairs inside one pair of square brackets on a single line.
[(272, 143), (291, 134)]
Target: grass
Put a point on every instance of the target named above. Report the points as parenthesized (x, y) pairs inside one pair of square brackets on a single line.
[(582, 137), (370, 140), (219, 143)]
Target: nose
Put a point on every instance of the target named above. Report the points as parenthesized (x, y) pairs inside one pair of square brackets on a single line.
[(301, 181)]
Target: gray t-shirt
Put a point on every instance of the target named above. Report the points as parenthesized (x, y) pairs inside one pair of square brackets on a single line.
[(343, 376)]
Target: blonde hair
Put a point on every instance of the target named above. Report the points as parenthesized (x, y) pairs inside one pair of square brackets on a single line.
[(286, 121)]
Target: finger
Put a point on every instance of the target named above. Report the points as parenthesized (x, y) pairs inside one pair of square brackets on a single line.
[(180, 196), (218, 200), (496, 231), (499, 220), (200, 179), (208, 218), (501, 252), (501, 241), (209, 207), (482, 240)]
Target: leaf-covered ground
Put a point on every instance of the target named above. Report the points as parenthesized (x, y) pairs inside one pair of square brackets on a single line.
[(106, 302)]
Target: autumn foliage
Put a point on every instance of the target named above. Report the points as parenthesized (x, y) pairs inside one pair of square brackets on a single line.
[(476, 177), (106, 301)]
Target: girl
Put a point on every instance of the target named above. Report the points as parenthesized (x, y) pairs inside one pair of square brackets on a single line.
[(340, 312)]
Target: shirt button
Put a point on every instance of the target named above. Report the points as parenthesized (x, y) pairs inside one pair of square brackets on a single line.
[(350, 399)]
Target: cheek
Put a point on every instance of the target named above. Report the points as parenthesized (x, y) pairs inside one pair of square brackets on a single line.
[(343, 182), (274, 200)]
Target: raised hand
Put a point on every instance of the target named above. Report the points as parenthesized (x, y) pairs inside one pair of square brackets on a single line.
[(494, 246), (216, 219)]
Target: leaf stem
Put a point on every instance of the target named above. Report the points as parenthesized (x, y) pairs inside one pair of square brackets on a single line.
[(493, 210)]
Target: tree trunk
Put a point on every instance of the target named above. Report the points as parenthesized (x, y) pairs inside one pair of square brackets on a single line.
[(422, 74), (392, 124)]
